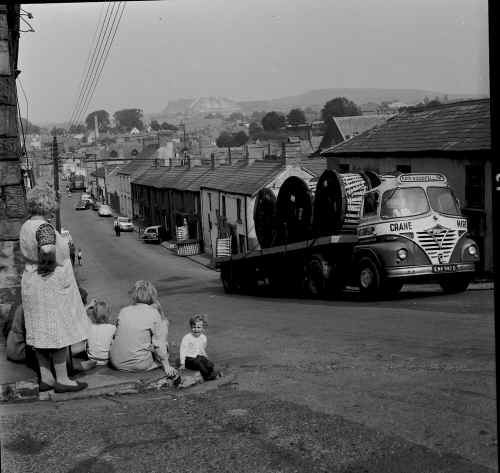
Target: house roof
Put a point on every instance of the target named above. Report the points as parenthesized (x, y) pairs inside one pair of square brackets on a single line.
[(99, 172), (241, 177), (140, 163), (315, 166), (452, 127)]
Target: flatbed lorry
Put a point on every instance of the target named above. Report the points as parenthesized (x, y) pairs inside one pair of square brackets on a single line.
[(410, 230)]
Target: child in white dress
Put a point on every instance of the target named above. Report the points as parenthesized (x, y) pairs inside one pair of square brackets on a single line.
[(101, 334)]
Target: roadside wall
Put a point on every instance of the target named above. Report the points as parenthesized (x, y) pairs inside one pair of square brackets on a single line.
[(12, 194)]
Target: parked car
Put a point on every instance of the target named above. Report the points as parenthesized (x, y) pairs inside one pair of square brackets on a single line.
[(104, 211), (95, 205), (125, 224), (85, 197), (81, 205), (155, 234)]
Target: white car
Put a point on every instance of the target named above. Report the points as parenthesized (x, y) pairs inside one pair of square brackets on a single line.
[(125, 224), (105, 211), (85, 197)]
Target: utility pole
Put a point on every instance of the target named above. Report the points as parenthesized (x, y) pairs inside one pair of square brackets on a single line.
[(55, 161)]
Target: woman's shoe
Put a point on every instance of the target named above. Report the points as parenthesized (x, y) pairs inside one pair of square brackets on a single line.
[(44, 387), (65, 388)]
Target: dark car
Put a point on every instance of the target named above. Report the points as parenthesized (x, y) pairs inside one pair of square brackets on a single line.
[(81, 206), (154, 234)]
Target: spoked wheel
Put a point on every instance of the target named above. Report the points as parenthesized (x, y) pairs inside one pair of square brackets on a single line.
[(369, 278), (316, 277)]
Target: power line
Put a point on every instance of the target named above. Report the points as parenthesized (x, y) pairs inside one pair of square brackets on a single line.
[(99, 74), (88, 63), (91, 65)]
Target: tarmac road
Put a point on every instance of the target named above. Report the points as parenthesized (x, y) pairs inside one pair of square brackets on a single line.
[(404, 385)]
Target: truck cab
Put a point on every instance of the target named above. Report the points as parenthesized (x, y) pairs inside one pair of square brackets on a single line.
[(411, 230)]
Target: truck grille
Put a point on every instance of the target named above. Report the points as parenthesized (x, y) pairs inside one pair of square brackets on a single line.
[(438, 243)]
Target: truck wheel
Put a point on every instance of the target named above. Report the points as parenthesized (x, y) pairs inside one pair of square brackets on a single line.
[(227, 280), (455, 284), (369, 278), (316, 277)]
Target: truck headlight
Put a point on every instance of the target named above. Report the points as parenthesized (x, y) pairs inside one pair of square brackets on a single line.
[(472, 250), (402, 254)]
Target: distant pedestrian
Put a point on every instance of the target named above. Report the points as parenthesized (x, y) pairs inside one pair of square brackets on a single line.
[(79, 256), (117, 228), (193, 355), (72, 252)]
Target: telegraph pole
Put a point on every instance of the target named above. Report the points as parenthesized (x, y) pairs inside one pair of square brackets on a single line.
[(55, 160)]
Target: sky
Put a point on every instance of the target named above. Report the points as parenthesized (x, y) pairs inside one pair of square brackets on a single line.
[(251, 50)]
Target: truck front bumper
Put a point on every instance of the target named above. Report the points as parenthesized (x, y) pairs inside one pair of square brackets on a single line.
[(429, 270)]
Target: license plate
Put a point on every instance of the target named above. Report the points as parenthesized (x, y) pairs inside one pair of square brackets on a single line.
[(444, 268)]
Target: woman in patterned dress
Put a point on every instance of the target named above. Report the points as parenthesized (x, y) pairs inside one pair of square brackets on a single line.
[(54, 313)]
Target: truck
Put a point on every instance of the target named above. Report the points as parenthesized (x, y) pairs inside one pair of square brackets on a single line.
[(76, 182), (409, 229)]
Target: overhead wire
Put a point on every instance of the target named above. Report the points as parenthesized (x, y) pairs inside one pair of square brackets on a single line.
[(91, 63), (86, 68), (105, 58)]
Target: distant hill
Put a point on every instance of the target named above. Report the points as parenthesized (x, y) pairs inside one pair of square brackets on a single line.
[(313, 98), (317, 98)]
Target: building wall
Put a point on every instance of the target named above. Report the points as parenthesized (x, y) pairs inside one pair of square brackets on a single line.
[(12, 195), (454, 168), (245, 227)]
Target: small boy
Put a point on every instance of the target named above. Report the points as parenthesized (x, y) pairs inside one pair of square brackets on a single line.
[(101, 332), (193, 349), (79, 255)]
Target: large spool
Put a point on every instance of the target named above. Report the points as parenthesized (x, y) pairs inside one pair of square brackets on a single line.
[(338, 201), (294, 207), (264, 217)]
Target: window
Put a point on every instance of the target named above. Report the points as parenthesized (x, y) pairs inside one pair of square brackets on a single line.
[(210, 201), (344, 167), (474, 186), (403, 202), (223, 205), (403, 168), (238, 210), (443, 200), (370, 206)]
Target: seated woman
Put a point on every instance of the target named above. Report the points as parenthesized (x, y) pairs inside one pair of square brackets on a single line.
[(140, 342)]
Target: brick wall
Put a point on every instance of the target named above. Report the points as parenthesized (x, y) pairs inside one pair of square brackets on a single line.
[(12, 195)]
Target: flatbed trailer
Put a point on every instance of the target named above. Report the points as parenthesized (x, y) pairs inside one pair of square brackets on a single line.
[(311, 266)]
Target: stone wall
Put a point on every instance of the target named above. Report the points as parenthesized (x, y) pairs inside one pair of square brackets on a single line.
[(12, 193)]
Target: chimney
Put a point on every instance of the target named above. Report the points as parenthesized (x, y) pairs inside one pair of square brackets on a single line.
[(290, 155), (188, 161)]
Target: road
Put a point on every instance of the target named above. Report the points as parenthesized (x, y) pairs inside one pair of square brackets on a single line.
[(412, 381)]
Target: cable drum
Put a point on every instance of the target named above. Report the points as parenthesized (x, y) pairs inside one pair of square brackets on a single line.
[(294, 207), (338, 202), (264, 217)]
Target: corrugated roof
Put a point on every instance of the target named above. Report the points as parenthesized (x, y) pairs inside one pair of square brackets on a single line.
[(459, 126)]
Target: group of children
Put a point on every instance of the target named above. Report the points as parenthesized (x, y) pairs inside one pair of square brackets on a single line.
[(193, 355)]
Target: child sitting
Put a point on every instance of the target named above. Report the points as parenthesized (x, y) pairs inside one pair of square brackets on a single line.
[(193, 349), (101, 332)]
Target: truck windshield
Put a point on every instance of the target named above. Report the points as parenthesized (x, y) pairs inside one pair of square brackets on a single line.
[(443, 200), (403, 202)]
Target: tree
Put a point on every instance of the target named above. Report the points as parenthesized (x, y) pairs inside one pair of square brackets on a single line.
[(57, 131), (254, 129), (240, 138), (30, 128), (102, 120), (339, 107), (236, 116), (129, 118), (257, 116), (296, 117), (77, 129), (168, 126), (154, 125), (273, 121), (224, 140)]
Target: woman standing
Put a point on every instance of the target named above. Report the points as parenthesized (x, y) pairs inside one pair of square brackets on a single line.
[(54, 313), (140, 342)]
